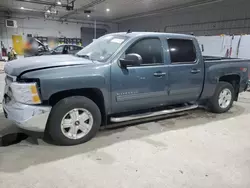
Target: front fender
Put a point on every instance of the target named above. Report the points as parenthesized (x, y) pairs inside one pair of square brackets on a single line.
[(60, 79)]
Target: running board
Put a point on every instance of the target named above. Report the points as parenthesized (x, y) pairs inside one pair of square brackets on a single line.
[(152, 114)]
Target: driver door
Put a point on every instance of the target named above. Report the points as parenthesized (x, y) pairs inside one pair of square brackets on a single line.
[(143, 86)]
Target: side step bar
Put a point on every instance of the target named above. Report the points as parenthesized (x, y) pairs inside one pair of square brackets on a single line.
[(152, 114)]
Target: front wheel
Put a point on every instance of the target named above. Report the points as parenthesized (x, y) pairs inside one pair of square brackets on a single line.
[(223, 98), (74, 120)]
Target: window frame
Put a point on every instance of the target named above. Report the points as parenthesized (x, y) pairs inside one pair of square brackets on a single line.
[(78, 48), (152, 64), (185, 62)]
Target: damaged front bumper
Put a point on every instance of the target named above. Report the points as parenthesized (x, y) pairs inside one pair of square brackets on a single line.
[(29, 117)]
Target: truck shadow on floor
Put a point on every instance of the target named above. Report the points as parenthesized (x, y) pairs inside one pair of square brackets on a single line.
[(21, 156)]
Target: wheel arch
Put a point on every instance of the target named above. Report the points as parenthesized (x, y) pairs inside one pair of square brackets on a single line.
[(94, 94), (233, 79)]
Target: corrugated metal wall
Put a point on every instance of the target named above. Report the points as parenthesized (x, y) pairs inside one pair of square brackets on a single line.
[(236, 46), (227, 17)]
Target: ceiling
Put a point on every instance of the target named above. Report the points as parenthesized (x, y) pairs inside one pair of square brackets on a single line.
[(118, 9)]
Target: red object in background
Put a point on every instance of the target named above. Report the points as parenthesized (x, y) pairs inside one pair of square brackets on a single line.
[(243, 69), (4, 52), (230, 51), (27, 46)]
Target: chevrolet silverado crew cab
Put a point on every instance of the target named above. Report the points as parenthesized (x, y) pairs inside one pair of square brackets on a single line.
[(119, 78)]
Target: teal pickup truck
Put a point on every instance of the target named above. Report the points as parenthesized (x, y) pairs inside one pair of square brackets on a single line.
[(119, 78)]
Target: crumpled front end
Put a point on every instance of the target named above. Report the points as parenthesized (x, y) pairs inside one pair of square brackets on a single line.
[(31, 117)]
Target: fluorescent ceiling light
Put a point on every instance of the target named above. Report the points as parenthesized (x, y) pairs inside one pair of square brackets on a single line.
[(107, 9), (22, 8), (59, 2)]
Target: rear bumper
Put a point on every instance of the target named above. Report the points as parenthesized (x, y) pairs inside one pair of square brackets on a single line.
[(29, 117)]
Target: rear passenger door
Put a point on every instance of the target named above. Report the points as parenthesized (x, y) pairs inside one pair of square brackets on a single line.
[(186, 71)]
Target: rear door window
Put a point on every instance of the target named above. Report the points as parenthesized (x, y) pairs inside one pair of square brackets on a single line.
[(77, 48), (182, 51), (59, 49)]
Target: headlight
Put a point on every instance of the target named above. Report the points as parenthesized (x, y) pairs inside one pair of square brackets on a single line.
[(25, 93)]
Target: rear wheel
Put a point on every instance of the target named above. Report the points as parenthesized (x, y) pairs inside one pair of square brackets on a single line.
[(223, 98), (74, 120)]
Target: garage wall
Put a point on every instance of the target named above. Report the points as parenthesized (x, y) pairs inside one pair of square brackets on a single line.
[(227, 17), (88, 34), (41, 27), (236, 46)]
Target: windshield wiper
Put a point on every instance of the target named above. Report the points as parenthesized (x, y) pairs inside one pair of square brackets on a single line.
[(83, 56)]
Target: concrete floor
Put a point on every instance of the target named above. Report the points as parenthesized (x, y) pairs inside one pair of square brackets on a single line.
[(198, 149)]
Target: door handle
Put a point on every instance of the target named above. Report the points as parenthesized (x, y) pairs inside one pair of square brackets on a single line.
[(159, 74), (195, 71)]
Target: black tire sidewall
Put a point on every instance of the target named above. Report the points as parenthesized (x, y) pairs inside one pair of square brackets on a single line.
[(62, 108), (214, 102)]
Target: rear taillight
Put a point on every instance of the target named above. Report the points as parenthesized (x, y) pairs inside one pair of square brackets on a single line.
[(243, 69)]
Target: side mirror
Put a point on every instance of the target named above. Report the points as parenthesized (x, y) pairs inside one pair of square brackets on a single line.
[(131, 60)]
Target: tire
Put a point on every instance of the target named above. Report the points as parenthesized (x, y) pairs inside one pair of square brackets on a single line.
[(214, 104), (65, 112)]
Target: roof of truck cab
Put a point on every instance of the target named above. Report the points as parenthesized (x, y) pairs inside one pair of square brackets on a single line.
[(136, 34)]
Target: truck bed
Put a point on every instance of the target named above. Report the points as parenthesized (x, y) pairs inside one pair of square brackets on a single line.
[(218, 60), (226, 66), (212, 58)]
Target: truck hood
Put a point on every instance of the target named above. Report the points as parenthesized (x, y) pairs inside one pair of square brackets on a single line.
[(16, 67)]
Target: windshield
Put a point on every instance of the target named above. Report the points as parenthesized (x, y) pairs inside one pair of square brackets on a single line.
[(102, 48)]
